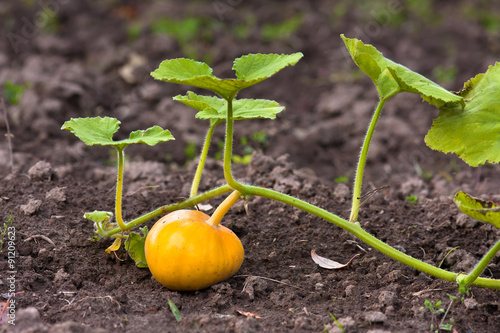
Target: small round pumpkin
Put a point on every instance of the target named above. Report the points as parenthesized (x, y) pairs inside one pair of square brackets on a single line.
[(186, 250)]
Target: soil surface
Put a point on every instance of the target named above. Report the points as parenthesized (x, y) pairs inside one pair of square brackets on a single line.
[(87, 58)]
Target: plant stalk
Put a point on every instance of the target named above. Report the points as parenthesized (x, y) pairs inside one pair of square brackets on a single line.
[(222, 209), (191, 202), (228, 149), (203, 158), (356, 195), (366, 237), (479, 269), (353, 228), (119, 188)]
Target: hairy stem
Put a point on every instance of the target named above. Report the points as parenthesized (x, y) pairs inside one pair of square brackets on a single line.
[(119, 188), (356, 194), (352, 228), (222, 209), (228, 149), (191, 202), (480, 267), (366, 237), (203, 158)]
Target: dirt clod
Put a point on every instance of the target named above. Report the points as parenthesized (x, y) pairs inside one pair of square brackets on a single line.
[(31, 207), (40, 171)]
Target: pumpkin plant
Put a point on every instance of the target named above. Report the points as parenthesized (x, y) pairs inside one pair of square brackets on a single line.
[(175, 268)]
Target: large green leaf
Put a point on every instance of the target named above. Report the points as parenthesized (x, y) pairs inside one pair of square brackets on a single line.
[(390, 77), (472, 132), (250, 70), (214, 108), (485, 211), (100, 131)]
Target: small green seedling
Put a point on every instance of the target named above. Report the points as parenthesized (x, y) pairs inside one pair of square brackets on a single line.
[(435, 309), (466, 125), (13, 92), (412, 198), (6, 230), (341, 179), (338, 323), (175, 310)]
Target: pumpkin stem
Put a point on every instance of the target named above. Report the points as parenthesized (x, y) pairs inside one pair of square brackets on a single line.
[(219, 213)]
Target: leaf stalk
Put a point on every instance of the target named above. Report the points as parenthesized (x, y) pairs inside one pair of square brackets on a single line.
[(356, 194), (203, 158), (119, 188)]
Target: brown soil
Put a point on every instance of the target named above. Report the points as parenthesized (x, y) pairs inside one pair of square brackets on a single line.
[(73, 59)]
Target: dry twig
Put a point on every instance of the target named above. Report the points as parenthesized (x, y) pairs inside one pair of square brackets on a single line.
[(45, 238)]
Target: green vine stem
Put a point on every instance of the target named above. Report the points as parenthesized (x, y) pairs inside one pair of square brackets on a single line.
[(466, 280), (119, 188), (191, 202), (366, 237), (356, 194), (350, 227)]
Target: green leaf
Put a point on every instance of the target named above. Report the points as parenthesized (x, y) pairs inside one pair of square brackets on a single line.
[(430, 92), (102, 220), (201, 102), (390, 77), (485, 211), (174, 310), (258, 67), (472, 132), (250, 70), (98, 216), (100, 131), (135, 247), (211, 107)]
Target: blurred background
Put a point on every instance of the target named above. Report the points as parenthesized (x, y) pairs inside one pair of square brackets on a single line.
[(62, 59)]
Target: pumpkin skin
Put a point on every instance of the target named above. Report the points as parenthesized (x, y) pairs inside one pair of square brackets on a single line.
[(185, 253)]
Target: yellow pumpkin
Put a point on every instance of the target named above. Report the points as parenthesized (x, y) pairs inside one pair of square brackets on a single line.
[(186, 250)]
